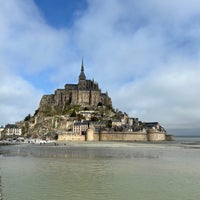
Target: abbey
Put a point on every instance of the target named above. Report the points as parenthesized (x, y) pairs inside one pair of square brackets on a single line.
[(86, 94)]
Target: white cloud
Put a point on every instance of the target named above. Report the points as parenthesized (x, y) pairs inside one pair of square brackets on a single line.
[(33, 45), (29, 48), (170, 96), (148, 53), (17, 97)]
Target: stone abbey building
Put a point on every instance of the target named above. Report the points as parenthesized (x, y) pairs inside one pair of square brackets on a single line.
[(86, 94)]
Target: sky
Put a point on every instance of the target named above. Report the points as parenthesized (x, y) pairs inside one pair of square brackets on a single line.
[(145, 54)]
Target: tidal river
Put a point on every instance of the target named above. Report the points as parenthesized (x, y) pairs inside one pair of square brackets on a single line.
[(101, 171)]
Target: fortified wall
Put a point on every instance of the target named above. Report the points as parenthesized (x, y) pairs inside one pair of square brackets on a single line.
[(150, 135)]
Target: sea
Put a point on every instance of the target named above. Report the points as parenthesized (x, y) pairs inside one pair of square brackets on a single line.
[(102, 170)]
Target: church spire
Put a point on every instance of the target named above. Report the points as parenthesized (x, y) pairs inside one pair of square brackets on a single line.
[(82, 66), (82, 74)]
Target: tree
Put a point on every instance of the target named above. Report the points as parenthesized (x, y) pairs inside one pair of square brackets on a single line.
[(109, 123), (28, 117), (86, 108), (73, 114), (36, 112), (94, 118)]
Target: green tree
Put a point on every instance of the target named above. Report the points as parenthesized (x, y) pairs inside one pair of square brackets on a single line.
[(109, 124), (73, 114), (28, 117)]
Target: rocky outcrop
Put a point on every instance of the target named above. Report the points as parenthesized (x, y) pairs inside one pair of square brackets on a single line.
[(40, 125)]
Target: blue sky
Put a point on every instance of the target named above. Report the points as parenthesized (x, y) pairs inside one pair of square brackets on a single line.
[(145, 53), (62, 13)]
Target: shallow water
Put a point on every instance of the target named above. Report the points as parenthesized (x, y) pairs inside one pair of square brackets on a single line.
[(139, 171)]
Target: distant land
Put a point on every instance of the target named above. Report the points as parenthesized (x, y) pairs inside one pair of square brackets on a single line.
[(188, 132)]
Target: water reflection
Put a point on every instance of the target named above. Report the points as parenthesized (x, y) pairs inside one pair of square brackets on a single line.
[(79, 152)]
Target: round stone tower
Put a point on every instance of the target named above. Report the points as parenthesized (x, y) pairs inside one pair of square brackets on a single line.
[(155, 135), (90, 133)]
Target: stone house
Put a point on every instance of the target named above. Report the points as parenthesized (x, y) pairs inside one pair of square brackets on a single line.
[(116, 123), (153, 125), (87, 114), (80, 128)]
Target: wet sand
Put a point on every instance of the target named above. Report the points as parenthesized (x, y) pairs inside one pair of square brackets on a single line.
[(97, 149)]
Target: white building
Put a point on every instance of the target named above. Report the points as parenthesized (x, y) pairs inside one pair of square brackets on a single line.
[(1, 130), (116, 123), (87, 114), (12, 130)]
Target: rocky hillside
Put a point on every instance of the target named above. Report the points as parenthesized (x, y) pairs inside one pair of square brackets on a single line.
[(53, 121)]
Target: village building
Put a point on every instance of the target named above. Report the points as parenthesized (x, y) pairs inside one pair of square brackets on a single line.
[(116, 123), (80, 128), (12, 130), (1, 130), (87, 114)]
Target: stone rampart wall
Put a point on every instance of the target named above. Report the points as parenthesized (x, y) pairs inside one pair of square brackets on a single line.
[(114, 136), (125, 136), (96, 136), (71, 137), (156, 137)]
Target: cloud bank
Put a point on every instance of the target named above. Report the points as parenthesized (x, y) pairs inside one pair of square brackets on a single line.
[(146, 54)]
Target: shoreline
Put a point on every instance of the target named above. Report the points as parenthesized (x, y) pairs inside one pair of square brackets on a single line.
[(98, 149)]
